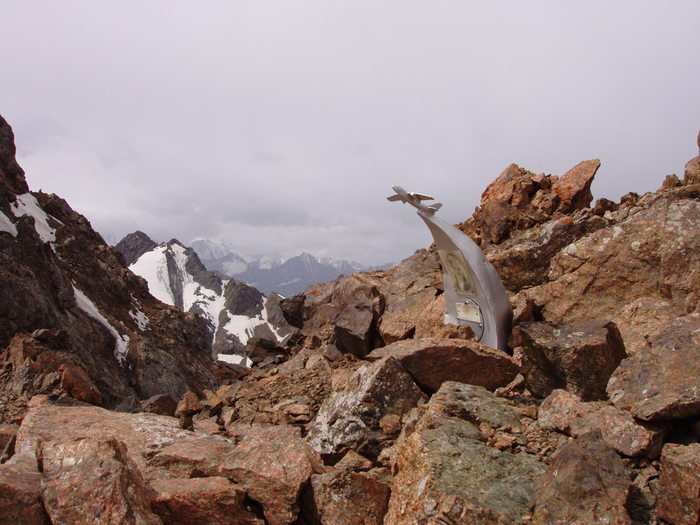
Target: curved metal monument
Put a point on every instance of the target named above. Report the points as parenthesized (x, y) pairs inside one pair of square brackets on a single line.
[(474, 294)]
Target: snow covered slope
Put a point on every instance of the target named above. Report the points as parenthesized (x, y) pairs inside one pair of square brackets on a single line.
[(233, 311)]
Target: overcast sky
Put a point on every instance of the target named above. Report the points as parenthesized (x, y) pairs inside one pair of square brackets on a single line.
[(282, 125)]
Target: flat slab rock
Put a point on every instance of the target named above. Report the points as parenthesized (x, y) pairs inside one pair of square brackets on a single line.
[(679, 486), (586, 483), (446, 474), (565, 412), (578, 356), (205, 501), (433, 361), (270, 463), (662, 382)]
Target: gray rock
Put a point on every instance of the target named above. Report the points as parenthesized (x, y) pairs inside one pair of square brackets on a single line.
[(349, 419)]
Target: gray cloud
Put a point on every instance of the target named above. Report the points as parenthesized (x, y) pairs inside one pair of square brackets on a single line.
[(283, 125)]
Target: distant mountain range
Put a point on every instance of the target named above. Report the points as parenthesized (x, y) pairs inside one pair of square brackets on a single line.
[(272, 273)]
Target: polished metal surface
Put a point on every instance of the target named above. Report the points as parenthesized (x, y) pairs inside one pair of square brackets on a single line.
[(474, 293)]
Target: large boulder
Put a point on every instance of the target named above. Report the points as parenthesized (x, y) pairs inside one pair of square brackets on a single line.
[(446, 473), (679, 486), (433, 361), (586, 483), (663, 381), (89, 477), (565, 412), (344, 312), (350, 418), (578, 356), (520, 199), (272, 463)]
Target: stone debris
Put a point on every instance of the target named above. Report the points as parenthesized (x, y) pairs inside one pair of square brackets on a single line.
[(373, 410)]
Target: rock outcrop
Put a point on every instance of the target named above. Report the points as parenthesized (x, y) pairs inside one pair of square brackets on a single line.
[(73, 319)]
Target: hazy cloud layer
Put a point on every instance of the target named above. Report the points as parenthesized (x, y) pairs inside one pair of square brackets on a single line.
[(283, 125)]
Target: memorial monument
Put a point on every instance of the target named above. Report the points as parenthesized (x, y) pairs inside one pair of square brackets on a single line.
[(474, 294)]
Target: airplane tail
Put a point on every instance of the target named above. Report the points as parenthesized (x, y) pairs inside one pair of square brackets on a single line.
[(435, 207)]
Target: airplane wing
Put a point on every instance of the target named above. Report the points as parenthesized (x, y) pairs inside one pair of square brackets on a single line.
[(394, 197), (423, 197)]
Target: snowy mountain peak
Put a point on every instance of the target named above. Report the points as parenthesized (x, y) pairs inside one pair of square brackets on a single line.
[(233, 311)]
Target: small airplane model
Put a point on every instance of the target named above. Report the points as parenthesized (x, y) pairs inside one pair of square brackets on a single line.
[(414, 199)]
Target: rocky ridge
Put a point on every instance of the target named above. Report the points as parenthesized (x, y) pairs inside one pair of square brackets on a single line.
[(73, 319), (594, 418)]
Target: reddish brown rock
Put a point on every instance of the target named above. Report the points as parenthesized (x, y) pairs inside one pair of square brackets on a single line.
[(586, 483), (186, 458), (272, 463), (651, 248), (162, 404), (567, 413), (77, 383), (354, 461), (87, 478), (346, 498), (679, 486), (641, 320), (400, 319), (578, 356), (344, 312), (434, 361), (145, 437), (20, 492), (204, 501), (444, 473), (519, 199), (189, 405), (431, 323), (350, 418), (692, 169), (663, 382)]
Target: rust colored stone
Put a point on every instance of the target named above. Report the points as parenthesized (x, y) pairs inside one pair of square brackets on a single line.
[(679, 486), (434, 361), (272, 463), (204, 501), (586, 483), (565, 412)]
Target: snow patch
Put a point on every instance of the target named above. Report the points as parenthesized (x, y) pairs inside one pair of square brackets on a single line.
[(153, 267), (26, 204), (235, 359), (6, 225), (140, 318), (121, 343)]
